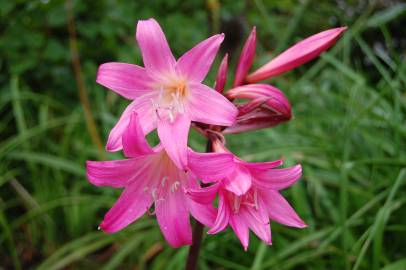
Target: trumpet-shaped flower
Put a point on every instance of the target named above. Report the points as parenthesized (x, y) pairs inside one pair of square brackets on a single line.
[(149, 177), (167, 94), (249, 197)]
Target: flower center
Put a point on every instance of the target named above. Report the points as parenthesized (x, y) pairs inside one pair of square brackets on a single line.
[(170, 101), (250, 199), (168, 179)]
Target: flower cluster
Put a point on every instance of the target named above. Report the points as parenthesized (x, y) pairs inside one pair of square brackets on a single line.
[(170, 179)]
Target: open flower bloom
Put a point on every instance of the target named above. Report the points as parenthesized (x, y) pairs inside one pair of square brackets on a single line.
[(167, 94), (267, 106), (299, 54), (249, 197), (149, 177)]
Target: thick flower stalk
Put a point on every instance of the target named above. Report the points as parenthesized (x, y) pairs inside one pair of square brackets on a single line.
[(171, 178)]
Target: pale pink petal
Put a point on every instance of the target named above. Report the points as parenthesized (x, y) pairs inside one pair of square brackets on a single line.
[(143, 107), (241, 229), (246, 58), (203, 195), (204, 213), (134, 142), (221, 77), (223, 216), (173, 136), (256, 223), (277, 179), (263, 165), (131, 205), (279, 209), (129, 81), (300, 53), (115, 173), (210, 107), (173, 218), (195, 63), (239, 181), (156, 54), (210, 167)]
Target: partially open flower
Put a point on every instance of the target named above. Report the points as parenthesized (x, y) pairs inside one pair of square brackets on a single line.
[(265, 106)]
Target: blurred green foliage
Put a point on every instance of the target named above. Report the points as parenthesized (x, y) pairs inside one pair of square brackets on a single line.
[(348, 132)]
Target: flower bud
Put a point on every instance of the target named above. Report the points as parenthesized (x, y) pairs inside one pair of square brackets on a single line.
[(266, 106), (246, 59), (299, 54), (221, 77)]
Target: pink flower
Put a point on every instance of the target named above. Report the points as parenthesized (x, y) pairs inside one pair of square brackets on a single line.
[(297, 55), (249, 197), (167, 94), (149, 177), (267, 106)]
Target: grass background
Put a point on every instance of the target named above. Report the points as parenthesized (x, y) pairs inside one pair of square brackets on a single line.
[(348, 132)]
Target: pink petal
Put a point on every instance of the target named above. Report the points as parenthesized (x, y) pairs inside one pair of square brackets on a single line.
[(173, 218), (277, 101), (195, 63), (223, 216), (134, 142), (156, 54), (203, 195), (300, 53), (143, 107), (174, 137), (279, 209), (129, 81), (221, 77), (210, 167), (239, 181), (209, 107), (131, 205), (277, 179), (246, 58), (241, 229), (115, 173), (263, 165), (255, 222), (204, 213)]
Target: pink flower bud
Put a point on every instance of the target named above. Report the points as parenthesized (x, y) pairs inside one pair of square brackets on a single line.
[(266, 106), (221, 77), (246, 58), (297, 55)]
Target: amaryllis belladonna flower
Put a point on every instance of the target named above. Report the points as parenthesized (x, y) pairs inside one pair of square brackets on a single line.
[(167, 94), (149, 177), (249, 197)]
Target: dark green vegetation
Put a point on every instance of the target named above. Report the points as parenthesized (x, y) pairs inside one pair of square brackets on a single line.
[(348, 132)]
